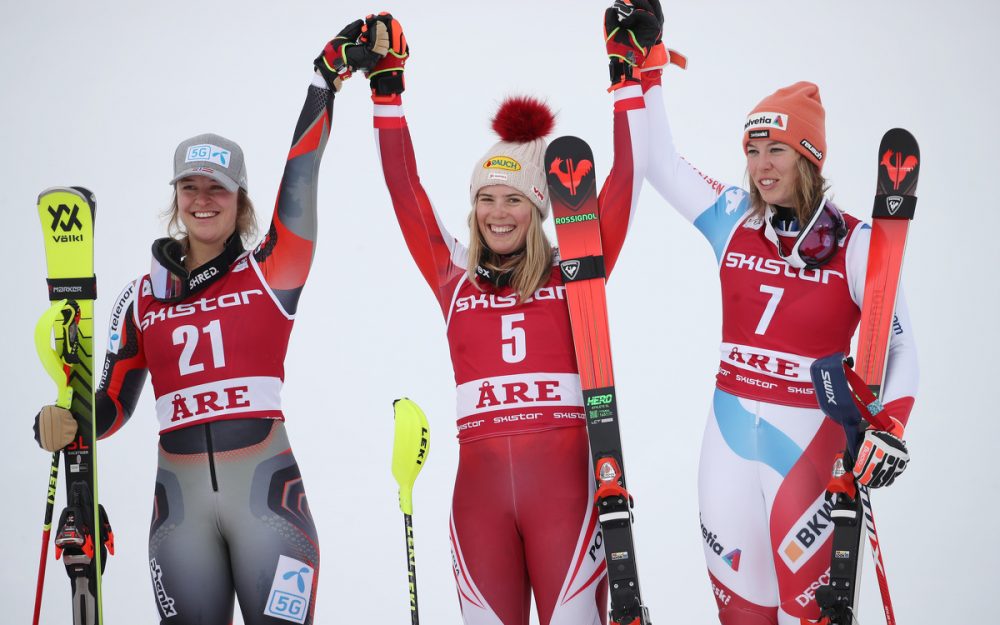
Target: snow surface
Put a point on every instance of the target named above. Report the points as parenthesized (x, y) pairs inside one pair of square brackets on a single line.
[(99, 94)]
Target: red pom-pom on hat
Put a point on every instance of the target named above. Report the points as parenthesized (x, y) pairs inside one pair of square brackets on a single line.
[(521, 119)]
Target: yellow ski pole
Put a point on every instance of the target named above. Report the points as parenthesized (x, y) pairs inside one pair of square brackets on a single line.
[(411, 444)]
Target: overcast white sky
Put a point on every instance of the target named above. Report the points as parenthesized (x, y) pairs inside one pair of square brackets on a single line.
[(99, 94)]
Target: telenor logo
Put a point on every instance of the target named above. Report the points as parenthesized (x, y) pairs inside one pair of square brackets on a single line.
[(208, 152), (766, 120)]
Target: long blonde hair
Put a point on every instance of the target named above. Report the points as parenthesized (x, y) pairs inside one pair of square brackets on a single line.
[(246, 220), (810, 187), (530, 266)]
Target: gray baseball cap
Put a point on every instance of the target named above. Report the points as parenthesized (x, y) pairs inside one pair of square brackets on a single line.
[(212, 156)]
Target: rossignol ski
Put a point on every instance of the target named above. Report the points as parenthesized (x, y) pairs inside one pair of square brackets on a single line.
[(859, 390), (573, 190), (67, 219)]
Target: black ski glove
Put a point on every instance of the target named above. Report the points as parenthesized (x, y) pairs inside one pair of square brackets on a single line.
[(355, 48), (631, 28)]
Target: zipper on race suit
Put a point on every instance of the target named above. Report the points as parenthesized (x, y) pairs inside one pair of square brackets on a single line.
[(211, 456)]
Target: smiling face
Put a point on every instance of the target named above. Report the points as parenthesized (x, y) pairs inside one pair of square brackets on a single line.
[(503, 216), (773, 168), (207, 210)]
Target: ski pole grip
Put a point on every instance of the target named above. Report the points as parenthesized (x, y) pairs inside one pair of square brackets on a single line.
[(50, 359)]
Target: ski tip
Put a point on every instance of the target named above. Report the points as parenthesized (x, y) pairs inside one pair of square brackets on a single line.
[(84, 193)]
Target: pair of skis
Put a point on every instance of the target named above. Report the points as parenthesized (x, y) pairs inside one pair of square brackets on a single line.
[(853, 397), (569, 164), (83, 534)]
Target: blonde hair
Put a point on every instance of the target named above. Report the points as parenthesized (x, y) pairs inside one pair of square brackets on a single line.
[(810, 187), (246, 220), (530, 266)]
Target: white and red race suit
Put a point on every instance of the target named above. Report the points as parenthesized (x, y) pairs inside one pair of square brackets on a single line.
[(522, 513), (767, 452)]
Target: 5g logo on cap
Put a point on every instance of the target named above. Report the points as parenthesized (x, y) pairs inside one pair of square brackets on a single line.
[(208, 153)]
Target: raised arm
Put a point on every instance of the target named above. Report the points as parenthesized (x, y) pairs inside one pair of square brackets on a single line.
[(713, 207), (285, 255), (439, 256)]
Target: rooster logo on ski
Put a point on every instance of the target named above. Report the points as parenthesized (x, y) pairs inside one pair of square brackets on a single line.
[(573, 174), (898, 166)]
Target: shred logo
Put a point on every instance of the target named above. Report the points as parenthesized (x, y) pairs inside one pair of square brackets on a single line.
[(196, 280), (809, 146), (808, 534), (208, 152), (760, 134), (898, 166), (502, 162), (165, 601), (572, 175), (831, 397), (766, 120)]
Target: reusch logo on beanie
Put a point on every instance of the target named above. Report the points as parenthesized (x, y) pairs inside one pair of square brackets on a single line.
[(792, 115)]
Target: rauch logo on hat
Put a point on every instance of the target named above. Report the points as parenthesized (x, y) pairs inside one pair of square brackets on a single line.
[(766, 120), (208, 152), (502, 162)]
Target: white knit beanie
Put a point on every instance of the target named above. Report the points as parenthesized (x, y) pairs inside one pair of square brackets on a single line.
[(518, 159)]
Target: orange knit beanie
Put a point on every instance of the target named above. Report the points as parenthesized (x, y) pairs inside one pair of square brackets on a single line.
[(793, 115)]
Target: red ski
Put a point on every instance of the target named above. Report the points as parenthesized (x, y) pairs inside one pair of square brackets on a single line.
[(895, 201), (571, 179)]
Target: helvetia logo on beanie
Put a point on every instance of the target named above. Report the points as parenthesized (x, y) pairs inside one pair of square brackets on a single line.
[(502, 162), (766, 120)]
